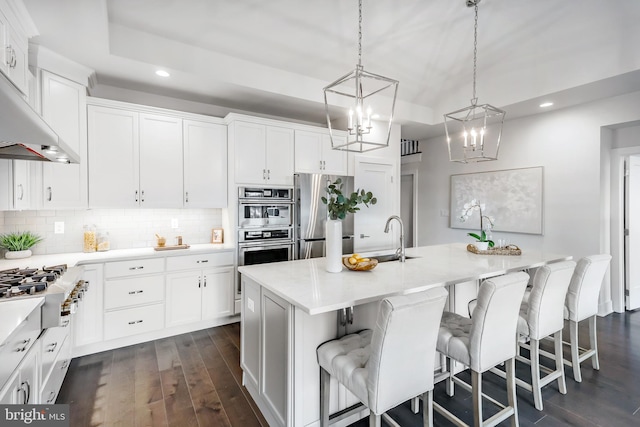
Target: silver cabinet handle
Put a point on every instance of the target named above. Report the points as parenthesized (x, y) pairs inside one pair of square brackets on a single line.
[(268, 173), (202, 261), (21, 191), (64, 323), (136, 195), (14, 58), (199, 282), (52, 397), (53, 347), (142, 196), (140, 267), (264, 174), (205, 281), (133, 322), (136, 292), (186, 198), (363, 236), (25, 387), (9, 55), (24, 347), (65, 365), (50, 192)]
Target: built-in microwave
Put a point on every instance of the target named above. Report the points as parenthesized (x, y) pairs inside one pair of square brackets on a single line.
[(269, 214)]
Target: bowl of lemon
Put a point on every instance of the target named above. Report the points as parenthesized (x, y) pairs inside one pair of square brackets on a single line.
[(356, 262)]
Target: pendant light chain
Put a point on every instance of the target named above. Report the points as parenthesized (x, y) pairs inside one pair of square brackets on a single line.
[(474, 100), (359, 33)]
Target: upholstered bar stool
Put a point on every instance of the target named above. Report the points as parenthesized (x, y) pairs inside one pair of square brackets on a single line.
[(541, 315), (582, 303), (389, 365), (484, 341)]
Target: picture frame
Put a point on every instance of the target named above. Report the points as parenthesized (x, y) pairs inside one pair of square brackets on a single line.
[(217, 235), (513, 197)]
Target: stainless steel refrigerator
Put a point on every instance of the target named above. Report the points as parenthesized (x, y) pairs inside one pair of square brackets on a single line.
[(311, 214)]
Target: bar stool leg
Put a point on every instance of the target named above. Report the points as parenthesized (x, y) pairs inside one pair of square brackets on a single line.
[(510, 366), (325, 380), (575, 351), (449, 385), (593, 337), (476, 384), (562, 383), (427, 409), (534, 348), (375, 420)]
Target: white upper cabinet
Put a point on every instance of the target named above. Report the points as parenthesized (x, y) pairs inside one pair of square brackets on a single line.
[(14, 56), (22, 170), (263, 154), (205, 164), (161, 163), (314, 154), (64, 109), (113, 158)]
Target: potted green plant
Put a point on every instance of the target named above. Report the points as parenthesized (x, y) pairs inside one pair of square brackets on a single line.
[(338, 206), (18, 244), (483, 239)]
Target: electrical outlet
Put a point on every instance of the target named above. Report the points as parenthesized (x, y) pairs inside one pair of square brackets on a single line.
[(58, 227), (250, 304), (174, 223), (444, 212)]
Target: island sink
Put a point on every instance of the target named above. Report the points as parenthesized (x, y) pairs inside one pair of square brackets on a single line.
[(390, 257)]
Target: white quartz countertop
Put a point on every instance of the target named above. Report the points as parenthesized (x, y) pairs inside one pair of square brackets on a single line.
[(307, 285), (13, 313), (80, 258)]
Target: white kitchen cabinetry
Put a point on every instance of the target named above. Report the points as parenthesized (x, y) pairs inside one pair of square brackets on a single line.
[(263, 154), (89, 317), (133, 297), (114, 178), (64, 109), (205, 164), (55, 360), (14, 52), (314, 154), (22, 184), (199, 287)]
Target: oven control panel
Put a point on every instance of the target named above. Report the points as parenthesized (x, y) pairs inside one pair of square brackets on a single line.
[(265, 235), (265, 193)]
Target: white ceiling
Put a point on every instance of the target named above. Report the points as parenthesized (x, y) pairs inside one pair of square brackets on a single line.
[(274, 57)]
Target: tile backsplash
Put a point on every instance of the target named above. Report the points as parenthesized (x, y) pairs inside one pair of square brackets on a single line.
[(127, 228)]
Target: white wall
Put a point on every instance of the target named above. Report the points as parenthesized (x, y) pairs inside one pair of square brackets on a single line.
[(567, 143)]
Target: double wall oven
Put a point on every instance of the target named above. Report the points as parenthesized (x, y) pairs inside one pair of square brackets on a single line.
[(265, 226)]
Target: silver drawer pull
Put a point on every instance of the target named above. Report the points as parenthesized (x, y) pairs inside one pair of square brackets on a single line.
[(52, 397), (26, 344), (53, 347), (133, 322), (64, 323), (136, 268), (136, 292), (65, 365), (202, 261)]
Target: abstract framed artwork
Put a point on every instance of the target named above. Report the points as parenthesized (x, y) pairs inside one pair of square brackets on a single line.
[(512, 197)]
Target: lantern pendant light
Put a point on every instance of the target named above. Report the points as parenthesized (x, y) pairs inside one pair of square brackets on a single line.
[(362, 104), (474, 132)]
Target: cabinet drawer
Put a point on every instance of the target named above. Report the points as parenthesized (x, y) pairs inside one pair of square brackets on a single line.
[(136, 291), (131, 321), (52, 341), (51, 387), (188, 262), (133, 267), (14, 350)]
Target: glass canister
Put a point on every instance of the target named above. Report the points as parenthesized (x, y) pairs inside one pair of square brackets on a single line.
[(89, 238), (103, 241)]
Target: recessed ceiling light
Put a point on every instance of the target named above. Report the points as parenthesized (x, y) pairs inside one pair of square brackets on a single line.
[(162, 73), (546, 104)]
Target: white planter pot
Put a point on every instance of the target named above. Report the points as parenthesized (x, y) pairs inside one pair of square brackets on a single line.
[(18, 254), (333, 245), (482, 246)]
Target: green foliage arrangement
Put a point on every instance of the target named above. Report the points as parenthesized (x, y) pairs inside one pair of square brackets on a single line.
[(19, 241), (339, 204)]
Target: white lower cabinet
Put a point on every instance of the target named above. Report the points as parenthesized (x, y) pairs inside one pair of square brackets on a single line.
[(87, 327), (132, 321), (22, 387), (56, 357)]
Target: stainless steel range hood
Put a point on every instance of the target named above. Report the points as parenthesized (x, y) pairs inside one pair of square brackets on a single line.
[(24, 134)]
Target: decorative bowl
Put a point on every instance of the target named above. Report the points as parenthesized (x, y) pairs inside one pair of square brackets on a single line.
[(361, 265)]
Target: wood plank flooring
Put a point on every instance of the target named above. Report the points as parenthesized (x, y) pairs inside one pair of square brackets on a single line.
[(195, 380)]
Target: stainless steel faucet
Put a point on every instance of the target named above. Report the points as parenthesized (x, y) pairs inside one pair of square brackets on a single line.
[(400, 250)]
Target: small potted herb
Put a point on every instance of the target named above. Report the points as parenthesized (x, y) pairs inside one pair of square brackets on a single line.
[(18, 244)]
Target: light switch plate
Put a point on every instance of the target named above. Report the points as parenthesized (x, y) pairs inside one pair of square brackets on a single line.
[(174, 223), (58, 227), (250, 304)]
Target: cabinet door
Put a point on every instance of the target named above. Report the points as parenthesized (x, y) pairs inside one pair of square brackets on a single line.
[(218, 293), (250, 324), (307, 152), (21, 184), (250, 149), (18, 68), (89, 318), (29, 379), (334, 161), (3, 44), (113, 158), (205, 165), (184, 293), (161, 164), (6, 183), (9, 394), (279, 155), (64, 109)]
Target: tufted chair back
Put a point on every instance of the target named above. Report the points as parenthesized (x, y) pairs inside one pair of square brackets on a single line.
[(403, 348), (492, 338), (545, 314), (582, 297)]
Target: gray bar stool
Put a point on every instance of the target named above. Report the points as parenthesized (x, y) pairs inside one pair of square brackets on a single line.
[(483, 342), (582, 303), (389, 365)]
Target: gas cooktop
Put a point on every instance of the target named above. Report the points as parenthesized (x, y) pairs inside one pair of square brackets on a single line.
[(29, 281)]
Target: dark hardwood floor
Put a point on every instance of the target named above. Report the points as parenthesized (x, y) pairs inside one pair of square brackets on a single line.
[(195, 380)]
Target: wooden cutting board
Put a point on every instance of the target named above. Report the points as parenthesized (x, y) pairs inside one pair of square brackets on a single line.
[(170, 248)]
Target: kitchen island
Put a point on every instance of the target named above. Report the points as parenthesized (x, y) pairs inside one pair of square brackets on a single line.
[(289, 308)]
